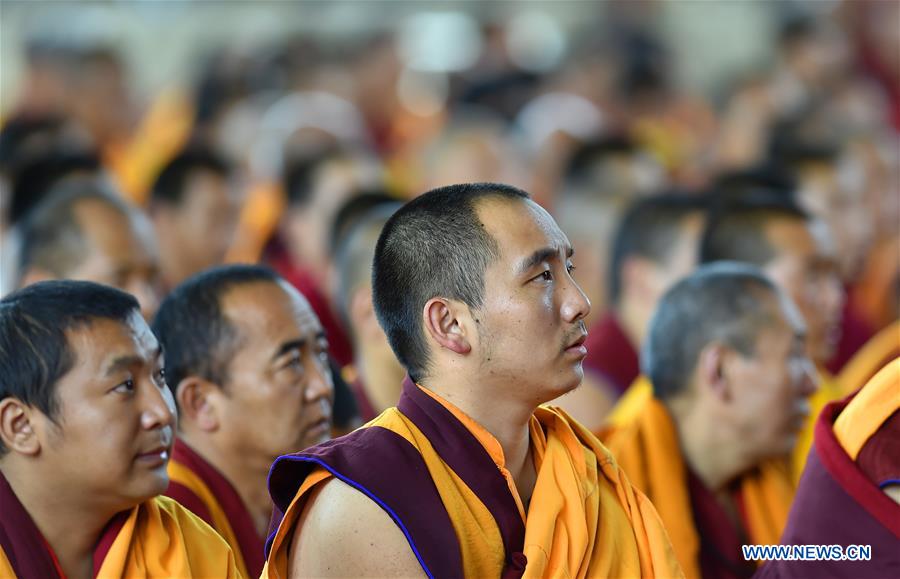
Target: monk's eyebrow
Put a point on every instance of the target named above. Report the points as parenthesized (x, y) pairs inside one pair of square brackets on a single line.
[(124, 362), (540, 256), (297, 344)]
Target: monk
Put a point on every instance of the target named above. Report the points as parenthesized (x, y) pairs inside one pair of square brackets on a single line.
[(86, 431), (248, 368), (730, 377), (468, 475), (797, 252), (656, 244), (850, 490), (376, 374), (83, 230), (194, 205)]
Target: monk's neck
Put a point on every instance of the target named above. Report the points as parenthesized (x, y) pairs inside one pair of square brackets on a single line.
[(246, 474), (712, 455), (71, 527), (506, 420), (381, 378)]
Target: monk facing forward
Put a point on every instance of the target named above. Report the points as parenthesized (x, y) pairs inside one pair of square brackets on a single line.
[(468, 476), (727, 360), (86, 430)]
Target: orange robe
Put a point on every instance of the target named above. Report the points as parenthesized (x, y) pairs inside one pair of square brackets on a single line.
[(874, 355), (647, 450), (442, 479), (158, 538)]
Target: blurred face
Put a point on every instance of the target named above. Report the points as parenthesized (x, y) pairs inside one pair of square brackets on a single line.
[(531, 324), (279, 389), (113, 435), (770, 388), (121, 253), (682, 259), (204, 224), (805, 267), (837, 195)]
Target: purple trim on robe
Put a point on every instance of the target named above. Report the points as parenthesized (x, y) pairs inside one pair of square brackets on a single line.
[(459, 448), (21, 540), (836, 505), (389, 470), (251, 544)]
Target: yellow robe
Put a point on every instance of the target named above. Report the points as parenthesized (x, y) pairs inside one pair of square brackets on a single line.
[(161, 538), (869, 409), (829, 390), (647, 450), (872, 357), (584, 520)]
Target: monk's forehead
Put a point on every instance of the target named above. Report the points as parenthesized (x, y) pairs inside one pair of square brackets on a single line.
[(263, 307), (520, 225), (99, 342)]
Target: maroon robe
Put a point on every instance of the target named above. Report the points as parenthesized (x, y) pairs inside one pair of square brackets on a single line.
[(837, 504), (27, 550), (611, 355), (720, 540)]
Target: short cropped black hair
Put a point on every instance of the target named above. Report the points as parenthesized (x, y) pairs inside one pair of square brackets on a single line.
[(34, 349), (595, 151), (737, 231), (169, 187), (301, 173), (52, 237), (435, 245), (649, 229), (724, 302), (193, 330)]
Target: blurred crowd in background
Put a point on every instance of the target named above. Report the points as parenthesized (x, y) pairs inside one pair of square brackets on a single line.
[(276, 150)]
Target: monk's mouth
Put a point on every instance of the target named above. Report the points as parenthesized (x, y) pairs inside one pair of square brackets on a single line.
[(156, 457)]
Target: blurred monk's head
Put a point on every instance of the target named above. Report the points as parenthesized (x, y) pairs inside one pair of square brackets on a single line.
[(656, 244), (473, 283), (794, 250), (84, 231), (726, 350), (84, 407), (248, 365), (194, 207)]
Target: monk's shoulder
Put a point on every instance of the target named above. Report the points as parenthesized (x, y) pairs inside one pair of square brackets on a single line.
[(342, 532)]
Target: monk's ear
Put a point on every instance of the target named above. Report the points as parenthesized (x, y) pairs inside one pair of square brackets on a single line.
[(713, 373), (444, 322), (16, 429), (196, 399)]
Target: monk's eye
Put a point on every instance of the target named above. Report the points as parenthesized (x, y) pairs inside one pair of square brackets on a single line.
[(160, 377), (126, 387), (295, 362), (570, 267), (545, 275)]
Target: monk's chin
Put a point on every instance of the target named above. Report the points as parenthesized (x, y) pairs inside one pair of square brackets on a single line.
[(566, 386)]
